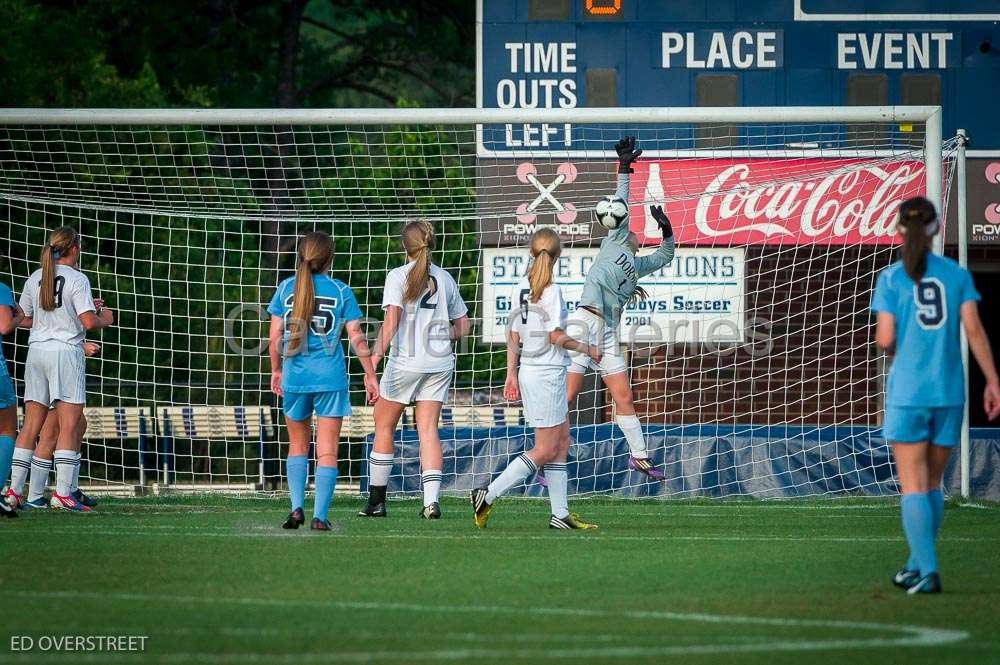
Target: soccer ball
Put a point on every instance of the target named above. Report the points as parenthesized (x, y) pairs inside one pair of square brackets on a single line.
[(611, 212)]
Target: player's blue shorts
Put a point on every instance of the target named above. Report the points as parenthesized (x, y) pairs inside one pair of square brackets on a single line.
[(942, 426), (329, 404), (8, 397)]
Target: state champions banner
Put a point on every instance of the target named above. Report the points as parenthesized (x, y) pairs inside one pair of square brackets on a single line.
[(775, 201), (699, 297)]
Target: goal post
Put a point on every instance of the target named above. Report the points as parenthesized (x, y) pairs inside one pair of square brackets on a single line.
[(189, 219)]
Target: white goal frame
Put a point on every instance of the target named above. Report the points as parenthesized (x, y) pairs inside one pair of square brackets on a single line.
[(930, 117)]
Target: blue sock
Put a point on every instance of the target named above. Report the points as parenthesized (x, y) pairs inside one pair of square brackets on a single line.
[(918, 524), (298, 466), (936, 498), (326, 482), (6, 457)]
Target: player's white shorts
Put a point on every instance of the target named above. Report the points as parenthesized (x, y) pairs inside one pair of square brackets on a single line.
[(405, 387), (586, 326), (543, 394), (55, 372)]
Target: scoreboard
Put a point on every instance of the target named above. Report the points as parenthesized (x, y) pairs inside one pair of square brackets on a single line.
[(599, 53)]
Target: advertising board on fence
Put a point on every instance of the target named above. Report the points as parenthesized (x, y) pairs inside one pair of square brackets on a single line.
[(775, 201), (697, 298)]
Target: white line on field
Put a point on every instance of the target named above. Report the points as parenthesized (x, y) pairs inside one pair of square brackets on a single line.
[(909, 635), (268, 532)]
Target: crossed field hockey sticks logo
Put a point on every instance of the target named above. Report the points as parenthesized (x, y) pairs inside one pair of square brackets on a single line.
[(565, 173)]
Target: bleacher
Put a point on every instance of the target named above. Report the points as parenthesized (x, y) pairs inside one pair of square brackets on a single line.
[(159, 437)]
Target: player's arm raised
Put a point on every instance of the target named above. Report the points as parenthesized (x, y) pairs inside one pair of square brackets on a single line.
[(664, 254), (627, 155)]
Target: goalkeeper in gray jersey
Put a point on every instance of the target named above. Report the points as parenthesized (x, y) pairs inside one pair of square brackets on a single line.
[(611, 283)]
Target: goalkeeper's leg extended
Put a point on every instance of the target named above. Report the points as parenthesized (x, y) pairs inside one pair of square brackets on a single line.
[(615, 376)]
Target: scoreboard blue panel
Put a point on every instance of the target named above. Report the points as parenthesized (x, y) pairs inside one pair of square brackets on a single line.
[(794, 52)]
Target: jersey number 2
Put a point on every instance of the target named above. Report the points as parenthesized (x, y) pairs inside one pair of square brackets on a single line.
[(425, 302), (932, 310)]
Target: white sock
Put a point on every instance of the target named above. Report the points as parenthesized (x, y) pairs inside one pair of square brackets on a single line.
[(632, 428), (558, 479), (379, 468), (515, 473), (76, 473), (431, 482), (39, 477), (20, 466), (65, 461)]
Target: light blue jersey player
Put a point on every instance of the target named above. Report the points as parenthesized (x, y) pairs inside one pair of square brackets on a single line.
[(921, 302), (10, 316), (611, 283), (309, 371)]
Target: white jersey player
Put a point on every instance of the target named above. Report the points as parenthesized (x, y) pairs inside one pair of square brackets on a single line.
[(59, 308), (536, 334), (424, 314)]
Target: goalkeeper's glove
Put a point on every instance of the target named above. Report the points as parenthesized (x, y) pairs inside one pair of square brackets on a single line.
[(626, 153), (662, 221)]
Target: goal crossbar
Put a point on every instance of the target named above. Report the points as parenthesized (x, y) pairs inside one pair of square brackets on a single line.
[(457, 116), (929, 116)]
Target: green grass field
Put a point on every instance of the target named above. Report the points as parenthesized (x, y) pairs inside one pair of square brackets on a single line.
[(213, 580)]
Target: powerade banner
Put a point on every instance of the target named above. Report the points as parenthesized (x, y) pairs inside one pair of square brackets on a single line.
[(775, 201), (697, 298)]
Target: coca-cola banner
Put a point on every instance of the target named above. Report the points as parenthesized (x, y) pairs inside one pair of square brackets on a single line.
[(775, 201)]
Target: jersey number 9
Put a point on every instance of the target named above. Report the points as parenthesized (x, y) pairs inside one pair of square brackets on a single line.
[(932, 309)]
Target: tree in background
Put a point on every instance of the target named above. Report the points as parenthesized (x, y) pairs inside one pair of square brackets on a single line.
[(232, 53), (237, 53)]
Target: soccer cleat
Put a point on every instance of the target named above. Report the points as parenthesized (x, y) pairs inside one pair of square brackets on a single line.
[(78, 494), (36, 504), (540, 478), (905, 579), (571, 521), (431, 512), (7, 511), (373, 510), (480, 507), (67, 503), (644, 465), (320, 525), (295, 519), (12, 498), (930, 583)]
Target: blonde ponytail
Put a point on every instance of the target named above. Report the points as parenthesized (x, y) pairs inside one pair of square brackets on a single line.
[(315, 256), (418, 242), (61, 243), (545, 249)]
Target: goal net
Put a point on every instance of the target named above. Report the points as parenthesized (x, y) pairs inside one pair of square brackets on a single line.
[(751, 361)]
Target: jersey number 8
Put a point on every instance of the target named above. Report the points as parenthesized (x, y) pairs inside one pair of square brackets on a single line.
[(932, 310)]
